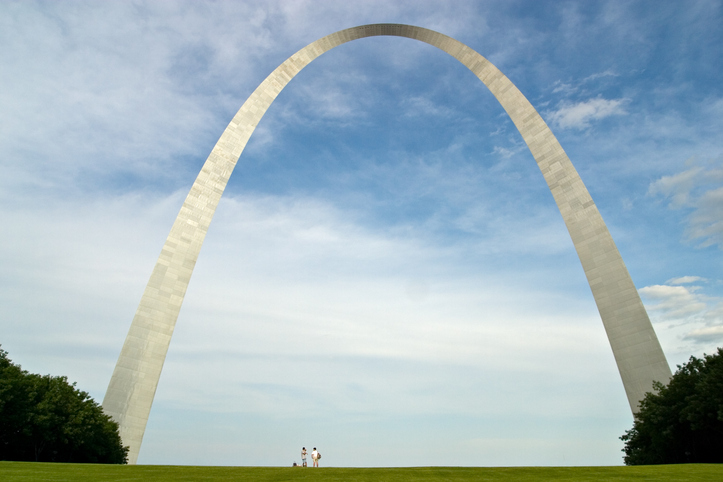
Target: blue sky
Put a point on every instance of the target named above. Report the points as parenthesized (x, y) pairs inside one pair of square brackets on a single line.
[(387, 277)]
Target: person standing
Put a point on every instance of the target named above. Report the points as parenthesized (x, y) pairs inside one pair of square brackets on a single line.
[(303, 456), (315, 456)]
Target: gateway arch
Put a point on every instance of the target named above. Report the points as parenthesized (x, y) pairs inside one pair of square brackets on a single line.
[(635, 346)]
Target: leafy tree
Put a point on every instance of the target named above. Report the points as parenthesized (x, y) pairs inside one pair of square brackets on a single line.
[(46, 419), (682, 422)]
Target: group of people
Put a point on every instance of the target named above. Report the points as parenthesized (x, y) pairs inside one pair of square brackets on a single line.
[(315, 456)]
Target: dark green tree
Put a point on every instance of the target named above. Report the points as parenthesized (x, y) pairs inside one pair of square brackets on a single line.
[(46, 419), (681, 422)]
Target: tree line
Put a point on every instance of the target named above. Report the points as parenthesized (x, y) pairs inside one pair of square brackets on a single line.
[(46, 419), (681, 422)]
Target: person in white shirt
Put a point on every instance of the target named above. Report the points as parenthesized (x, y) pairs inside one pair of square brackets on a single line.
[(303, 456), (315, 457)]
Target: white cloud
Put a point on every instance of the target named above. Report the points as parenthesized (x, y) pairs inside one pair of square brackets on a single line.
[(699, 191), (599, 75), (677, 187), (117, 87), (423, 106), (674, 301), (684, 280), (569, 88), (581, 114), (707, 334), (685, 314), (508, 152), (706, 221), (564, 88)]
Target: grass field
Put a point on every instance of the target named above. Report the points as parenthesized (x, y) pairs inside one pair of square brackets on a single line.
[(25, 471)]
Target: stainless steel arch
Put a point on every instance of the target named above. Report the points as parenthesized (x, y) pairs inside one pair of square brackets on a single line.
[(635, 346)]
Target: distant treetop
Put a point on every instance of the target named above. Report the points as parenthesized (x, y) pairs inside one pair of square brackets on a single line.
[(46, 419), (682, 422)]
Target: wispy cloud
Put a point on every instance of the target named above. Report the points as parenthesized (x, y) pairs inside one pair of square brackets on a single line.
[(677, 187), (572, 87), (707, 334), (674, 302), (690, 313), (416, 106), (685, 280), (699, 191), (599, 75), (580, 115), (508, 152)]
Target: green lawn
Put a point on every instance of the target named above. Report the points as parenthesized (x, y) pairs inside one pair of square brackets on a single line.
[(25, 471)]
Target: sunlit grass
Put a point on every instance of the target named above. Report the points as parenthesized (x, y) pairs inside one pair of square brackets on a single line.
[(24, 471)]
